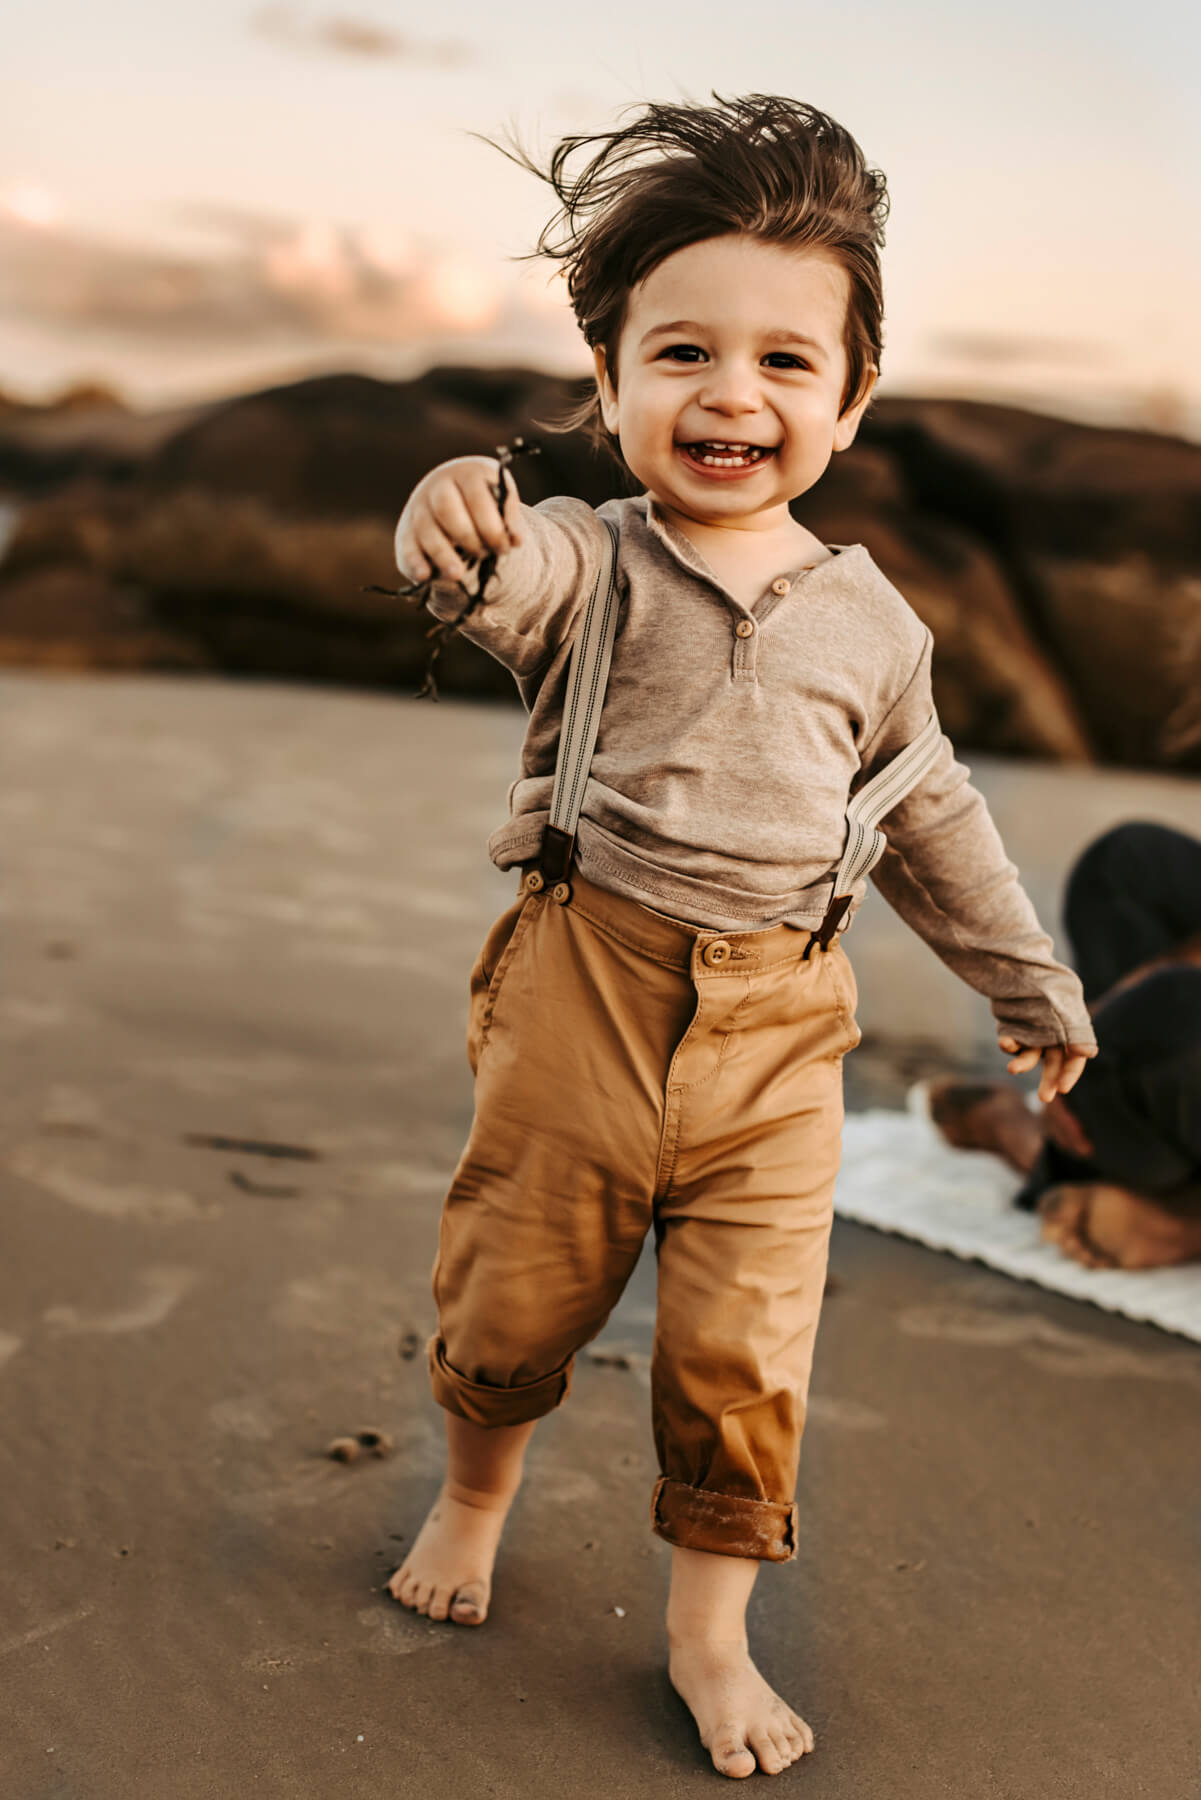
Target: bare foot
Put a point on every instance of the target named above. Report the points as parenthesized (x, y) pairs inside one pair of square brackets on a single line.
[(448, 1572), (743, 1723), (1108, 1227), (988, 1115)]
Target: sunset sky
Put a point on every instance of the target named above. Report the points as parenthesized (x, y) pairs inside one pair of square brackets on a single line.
[(194, 200)]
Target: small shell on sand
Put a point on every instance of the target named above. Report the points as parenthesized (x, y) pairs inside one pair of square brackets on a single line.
[(348, 1449)]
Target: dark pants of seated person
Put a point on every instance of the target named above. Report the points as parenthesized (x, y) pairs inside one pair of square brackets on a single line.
[(1134, 894)]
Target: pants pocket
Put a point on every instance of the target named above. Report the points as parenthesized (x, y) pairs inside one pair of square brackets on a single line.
[(848, 994), (488, 974)]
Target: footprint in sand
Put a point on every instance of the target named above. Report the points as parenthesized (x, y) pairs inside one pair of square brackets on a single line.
[(1049, 1346), (106, 1199), (246, 1416), (71, 1112), (163, 1289), (396, 1633)]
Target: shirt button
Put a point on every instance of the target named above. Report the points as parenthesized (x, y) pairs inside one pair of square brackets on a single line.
[(781, 585), (745, 627)]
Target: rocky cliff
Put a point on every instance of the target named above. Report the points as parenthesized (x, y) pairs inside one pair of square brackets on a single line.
[(1058, 564)]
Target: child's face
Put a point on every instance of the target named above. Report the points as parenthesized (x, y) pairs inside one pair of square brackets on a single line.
[(724, 376)]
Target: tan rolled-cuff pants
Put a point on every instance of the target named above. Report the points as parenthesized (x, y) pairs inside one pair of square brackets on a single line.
[(633, 1071)]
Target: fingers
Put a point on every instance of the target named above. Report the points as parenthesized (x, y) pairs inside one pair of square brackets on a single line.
[(1048, 1085), (1062, 1067), (512, 509), (1073, 1069), (452, 518), (444, 531)]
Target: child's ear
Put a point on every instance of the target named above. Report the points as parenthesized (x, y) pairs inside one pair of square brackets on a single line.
[(848, 425), (605, 389)]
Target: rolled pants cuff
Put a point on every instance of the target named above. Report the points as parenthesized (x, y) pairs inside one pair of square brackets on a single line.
[(724, 1524), (486, 1405)]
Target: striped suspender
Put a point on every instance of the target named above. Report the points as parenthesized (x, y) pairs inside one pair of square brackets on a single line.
[(587, 677), (864, 844), (589, 672)]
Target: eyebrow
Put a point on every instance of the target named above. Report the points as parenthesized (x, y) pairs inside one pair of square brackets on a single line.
[(770, 337)]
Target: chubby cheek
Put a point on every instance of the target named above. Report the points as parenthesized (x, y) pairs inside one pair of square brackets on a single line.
[(811, 443), (647, 444)]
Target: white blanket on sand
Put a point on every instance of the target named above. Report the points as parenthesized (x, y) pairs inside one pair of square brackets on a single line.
[(898, 1175)]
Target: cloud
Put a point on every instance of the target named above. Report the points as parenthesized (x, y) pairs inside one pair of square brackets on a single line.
[(1001, 348), (347, 36), (268, 281)]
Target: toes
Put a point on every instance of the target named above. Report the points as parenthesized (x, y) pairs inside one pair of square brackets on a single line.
[(402, 1587), (470, 1604), (731, 1755), (769, 1751), (798, 1734), (1064, 1219), (423, 1594), (787, 1744), (439, 1605), (1060, 1207)]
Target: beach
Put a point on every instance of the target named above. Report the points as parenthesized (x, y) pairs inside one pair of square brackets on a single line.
[(238, 920)]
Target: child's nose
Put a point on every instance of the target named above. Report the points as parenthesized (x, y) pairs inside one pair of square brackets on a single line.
[(731, 389)]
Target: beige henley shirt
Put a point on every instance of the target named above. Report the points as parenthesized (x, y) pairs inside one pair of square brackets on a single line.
[(731, 738)]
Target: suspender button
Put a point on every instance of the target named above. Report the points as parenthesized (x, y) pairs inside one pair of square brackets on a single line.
[(535, 882), (561, 892)]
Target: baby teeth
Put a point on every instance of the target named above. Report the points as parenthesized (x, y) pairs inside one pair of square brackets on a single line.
[(735, 460), (729, 462)]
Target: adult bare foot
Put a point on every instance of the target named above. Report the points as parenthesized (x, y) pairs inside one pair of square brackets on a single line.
[(985, 1115), (1109, 1227), (448, 1572), (743, 1723)]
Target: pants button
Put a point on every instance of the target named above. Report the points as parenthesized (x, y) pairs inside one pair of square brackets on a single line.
[(716, 953)]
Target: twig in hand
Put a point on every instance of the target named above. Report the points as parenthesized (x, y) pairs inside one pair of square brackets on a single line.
[(419, 591)]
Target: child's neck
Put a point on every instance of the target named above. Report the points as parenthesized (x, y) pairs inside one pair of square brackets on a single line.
[(758, 540)]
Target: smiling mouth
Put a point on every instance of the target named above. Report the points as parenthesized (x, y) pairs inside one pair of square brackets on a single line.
[(728, 456)]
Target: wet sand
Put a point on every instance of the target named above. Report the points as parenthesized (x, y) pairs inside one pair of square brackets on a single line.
[(247, 911)]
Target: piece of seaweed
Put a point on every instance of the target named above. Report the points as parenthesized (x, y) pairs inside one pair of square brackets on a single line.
[(418, 591)]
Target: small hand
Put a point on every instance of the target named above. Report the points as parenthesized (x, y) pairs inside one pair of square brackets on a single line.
[(453, 519), (1062, 1067)]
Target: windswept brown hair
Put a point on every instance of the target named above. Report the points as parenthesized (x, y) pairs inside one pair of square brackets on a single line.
[(765, 167)]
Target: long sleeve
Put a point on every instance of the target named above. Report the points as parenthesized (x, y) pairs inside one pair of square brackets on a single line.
[(947, 874), (538, 587)]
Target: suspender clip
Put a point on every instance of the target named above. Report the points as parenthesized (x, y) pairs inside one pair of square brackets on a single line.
[(830, 926), (554, 858)]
